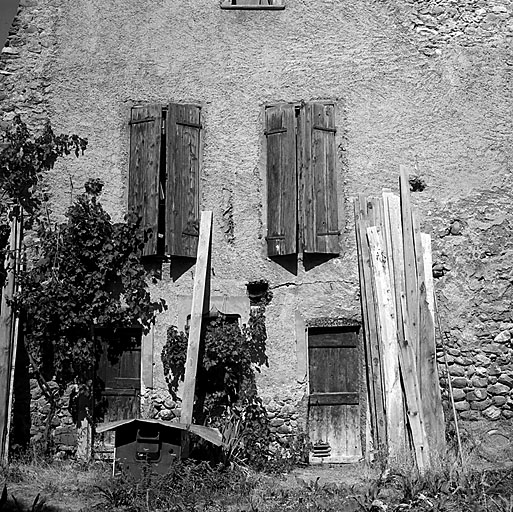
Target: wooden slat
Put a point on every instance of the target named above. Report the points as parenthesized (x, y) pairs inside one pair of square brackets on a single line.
[(320, 226), (184, 143), (388, 330), (427, 366), (394, 249), (372, 356), (281, 180), (144, 169), (6, 339), (410, 262), (340, 398), (407, 364), (199, 306)]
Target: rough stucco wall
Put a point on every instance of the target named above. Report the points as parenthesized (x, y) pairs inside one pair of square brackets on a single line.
[(427, 84)]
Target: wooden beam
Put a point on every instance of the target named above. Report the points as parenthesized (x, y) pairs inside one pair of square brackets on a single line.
[(6, 339), (199, 306), (410, 262), (15, 323), (427, 366), (407, 364), (394, 250), (388, 328), (372, 353)]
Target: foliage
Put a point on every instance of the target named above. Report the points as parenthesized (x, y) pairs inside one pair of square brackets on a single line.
[(246, 434), (226, 373), (226, 394), (25, 159), (86, 273)]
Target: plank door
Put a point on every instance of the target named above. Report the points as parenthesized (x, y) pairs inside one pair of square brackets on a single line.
[(334, 399), (121, 377)]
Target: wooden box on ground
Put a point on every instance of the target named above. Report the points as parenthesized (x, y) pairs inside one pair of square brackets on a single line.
[(154, 444)]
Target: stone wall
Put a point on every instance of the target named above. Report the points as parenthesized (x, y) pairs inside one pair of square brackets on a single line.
[(435, 25), (63, 430), (482, 380)]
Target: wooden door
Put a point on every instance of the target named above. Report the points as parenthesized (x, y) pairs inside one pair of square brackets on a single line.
[(121, 376), (334, 399)]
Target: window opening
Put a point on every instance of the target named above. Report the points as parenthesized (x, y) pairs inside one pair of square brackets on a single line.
[(253, 4)]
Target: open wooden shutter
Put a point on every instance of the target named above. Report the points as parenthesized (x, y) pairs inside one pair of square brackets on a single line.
[(281, 180), (182, 198), (320, 209), (143, 180)]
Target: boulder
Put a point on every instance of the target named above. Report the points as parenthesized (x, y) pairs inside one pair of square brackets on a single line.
[(481, 405), (498, 389), (459, 382), (492, 413), (477, 394)]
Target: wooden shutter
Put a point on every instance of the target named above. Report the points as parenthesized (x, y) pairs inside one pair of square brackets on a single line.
[(281, 180), (182, 198), (143, 180), (319, 183)]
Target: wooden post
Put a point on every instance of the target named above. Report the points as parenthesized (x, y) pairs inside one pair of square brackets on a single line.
[(200, 301), (388, 329), (6, 338), (15, 322)]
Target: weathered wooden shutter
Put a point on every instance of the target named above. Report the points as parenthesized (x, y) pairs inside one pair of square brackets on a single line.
[(281, 180), (319, 182), (143, 180), (182, 198)]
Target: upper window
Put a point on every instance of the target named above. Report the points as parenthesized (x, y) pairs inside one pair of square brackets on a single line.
[(253, 4), (163, 185), (302, 209)]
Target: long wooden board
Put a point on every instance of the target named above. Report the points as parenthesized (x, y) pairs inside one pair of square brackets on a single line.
[(199, 306), (410, 262), (426, 361), (407, 364), (388, 329), (392, 238), (373, 360), (6, 340)]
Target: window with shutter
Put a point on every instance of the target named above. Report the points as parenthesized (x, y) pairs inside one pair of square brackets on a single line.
[(182, 203), (302, 207), (320, 209), (144, 175), (281, 180), (165, 161)]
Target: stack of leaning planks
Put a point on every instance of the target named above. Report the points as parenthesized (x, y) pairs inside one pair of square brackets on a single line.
[(396, 286)]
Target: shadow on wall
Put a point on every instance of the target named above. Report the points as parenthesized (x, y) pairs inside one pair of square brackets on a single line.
[(8, 9)]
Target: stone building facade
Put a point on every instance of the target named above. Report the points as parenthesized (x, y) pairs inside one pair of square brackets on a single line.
[(424, 84)]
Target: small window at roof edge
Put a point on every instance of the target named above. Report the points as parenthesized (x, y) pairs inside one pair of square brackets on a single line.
[(263, 5)]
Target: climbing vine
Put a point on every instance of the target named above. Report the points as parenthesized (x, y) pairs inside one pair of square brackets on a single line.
[(226, 393), (86, 273)]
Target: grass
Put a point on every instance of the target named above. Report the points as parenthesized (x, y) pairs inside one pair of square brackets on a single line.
[(64, 485), (197, 487)]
